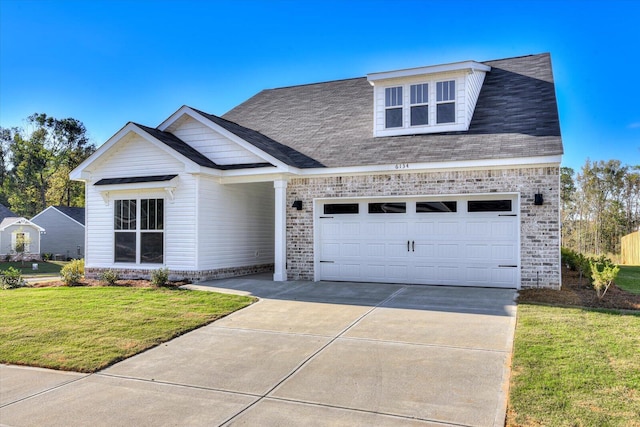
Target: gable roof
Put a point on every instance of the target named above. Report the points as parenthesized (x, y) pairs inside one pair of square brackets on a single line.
[(516, 116), (281, 152), (5, 212), (75, 213)]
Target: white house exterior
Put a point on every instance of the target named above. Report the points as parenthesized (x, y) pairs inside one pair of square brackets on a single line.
[(444, 174), (18, 236)]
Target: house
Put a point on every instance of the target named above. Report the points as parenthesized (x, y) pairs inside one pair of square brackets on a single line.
[(443, 174), (19, 237), (65, 231)]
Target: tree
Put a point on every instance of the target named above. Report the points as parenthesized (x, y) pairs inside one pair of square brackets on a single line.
[(38, 163)]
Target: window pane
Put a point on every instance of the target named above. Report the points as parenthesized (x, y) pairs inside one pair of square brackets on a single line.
[(144, 214), (341, 208), (151, 248), (393, 96), (446, 113), (420, 93), (446, 91), (387, 208), (160, 214), (489, 206), (125, 247), (125, 215), (393, 118), (436, 207), (420, 115)]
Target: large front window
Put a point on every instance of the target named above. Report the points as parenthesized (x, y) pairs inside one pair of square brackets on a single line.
[(139, 231)]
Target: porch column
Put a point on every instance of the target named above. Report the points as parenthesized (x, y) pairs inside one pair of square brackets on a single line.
[(280, 256)]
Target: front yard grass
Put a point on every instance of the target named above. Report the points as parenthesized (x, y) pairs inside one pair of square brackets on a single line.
[(45, 268), (575, 367), (85, 329), (629, 278)]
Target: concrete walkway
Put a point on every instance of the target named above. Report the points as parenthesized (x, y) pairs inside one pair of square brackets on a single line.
[(322, 354)]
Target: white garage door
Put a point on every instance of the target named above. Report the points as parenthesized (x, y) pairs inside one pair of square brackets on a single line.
[(461, 241)]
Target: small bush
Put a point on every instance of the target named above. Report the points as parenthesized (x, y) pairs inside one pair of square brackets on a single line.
[(11, 278), (603, 273), (109, 276), (47, 256), (72, 272), (160, 277)]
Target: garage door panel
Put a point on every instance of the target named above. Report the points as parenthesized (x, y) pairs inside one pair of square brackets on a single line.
[(446, 248)]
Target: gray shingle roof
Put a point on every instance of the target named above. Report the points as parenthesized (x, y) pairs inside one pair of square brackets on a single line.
[(191, 153), (135, 179), (5, 212), (72, 212), (281, 152), (332, 123)]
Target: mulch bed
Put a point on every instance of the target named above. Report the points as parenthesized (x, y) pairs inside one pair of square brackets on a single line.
[(578, 292), (138, 283)]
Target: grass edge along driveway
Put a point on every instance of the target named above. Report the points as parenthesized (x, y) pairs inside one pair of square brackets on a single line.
[(575, 367), (85, 329)]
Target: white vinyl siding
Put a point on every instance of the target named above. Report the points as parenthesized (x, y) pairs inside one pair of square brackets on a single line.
[(473, 84), (137, 157), (236, 224), (212, 144)]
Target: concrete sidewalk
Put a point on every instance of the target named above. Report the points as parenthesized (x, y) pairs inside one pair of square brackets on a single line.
[(326, 354)]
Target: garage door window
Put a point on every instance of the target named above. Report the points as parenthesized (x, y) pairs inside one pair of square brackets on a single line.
[(341, 208), (429, 207), (376, 208), (489, 206)]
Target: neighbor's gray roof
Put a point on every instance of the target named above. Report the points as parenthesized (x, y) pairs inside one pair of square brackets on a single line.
[(5, 212), (74, 213), (332, 123)]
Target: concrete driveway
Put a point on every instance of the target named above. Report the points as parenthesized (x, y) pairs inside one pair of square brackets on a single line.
[(322, 354)]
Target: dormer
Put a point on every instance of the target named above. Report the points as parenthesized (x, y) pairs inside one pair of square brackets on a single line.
[(439, 98)]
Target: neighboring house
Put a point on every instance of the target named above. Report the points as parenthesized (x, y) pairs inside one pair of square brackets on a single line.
[(18, 235), (444, 174), (65, 231)]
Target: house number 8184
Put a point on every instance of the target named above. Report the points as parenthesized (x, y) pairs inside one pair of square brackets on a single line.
[(402, 165)]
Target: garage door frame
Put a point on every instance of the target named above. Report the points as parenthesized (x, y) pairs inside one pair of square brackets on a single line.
[(318, 203)]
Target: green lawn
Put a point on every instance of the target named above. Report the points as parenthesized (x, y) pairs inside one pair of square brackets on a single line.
[(47, 268), (88, 328), (629, 278), (575, 367)]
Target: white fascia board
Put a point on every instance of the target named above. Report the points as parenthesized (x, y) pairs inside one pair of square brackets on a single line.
[(50, 207), (433, 69), (434, 166), (259, 177), (229, 135), (22, 221)]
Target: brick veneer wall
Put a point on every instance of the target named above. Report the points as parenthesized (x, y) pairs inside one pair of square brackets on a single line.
[(193, 276), (539, 225)]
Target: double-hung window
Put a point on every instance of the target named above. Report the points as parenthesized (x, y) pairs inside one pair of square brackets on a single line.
[(419, 104), (139, 231), (393, 107), (446, 102)]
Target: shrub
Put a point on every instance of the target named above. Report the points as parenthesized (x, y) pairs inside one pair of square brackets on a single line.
[(72, 272), (11, 278), (47, 256), (603, 273), (160, 277), (109, 276)]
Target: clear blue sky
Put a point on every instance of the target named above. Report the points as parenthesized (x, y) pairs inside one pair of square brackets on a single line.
[(109, 62)]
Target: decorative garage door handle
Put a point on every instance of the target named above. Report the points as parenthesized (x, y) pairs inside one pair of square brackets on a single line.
[(408, 245), (413, 245)]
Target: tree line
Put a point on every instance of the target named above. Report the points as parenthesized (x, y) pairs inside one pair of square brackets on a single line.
[(599, 205), (35, 163)]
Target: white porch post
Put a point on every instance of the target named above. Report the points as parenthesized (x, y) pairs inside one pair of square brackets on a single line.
[(280, 258)]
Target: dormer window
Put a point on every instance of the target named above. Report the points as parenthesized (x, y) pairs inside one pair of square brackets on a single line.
[(420, 104), (446, 102), (393, 107), (432, 99)]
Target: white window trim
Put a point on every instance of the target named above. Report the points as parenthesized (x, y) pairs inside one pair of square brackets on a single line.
[(432, 126), (138, 232)]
